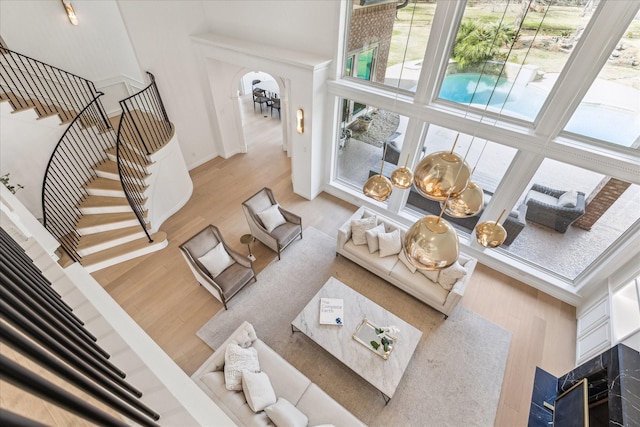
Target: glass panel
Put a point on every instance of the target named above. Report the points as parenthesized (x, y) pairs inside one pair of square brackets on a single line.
[(401, 35), (361, 145), (487, 160), (610, 111), (553, 238), (509, 68), (365, 62)]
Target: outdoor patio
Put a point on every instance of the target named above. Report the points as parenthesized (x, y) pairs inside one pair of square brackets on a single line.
[(566, 254)]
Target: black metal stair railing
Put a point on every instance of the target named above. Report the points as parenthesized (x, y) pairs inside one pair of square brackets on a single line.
[(27, 82), (83, 145), (144, 128)]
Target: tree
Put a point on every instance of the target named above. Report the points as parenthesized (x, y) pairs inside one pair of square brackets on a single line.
[(476, 42)]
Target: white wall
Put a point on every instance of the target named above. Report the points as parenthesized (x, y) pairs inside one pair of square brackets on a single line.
[(306, 26), (98, 48), (26, 144)]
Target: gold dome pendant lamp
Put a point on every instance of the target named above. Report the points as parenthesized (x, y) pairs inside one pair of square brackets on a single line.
[(467, 203), (378, 187), (441, 175), (491, 234), (402, 177), (431, 243)]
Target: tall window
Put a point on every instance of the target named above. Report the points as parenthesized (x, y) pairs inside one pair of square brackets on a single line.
[(507, 56), (401, 30), (500, 61)]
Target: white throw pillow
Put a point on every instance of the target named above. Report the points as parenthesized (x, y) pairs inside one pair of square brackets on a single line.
[(271, 218), (258, 390), (412, 268), (568, 199), (390, 243), (431, 275), (372, 237), (450, 275), (216, 260), (358, 228), (236, 360), (284, 414)]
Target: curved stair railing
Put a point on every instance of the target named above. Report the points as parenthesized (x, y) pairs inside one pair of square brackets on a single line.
[(144, 128), (83, 145), (28, 83)]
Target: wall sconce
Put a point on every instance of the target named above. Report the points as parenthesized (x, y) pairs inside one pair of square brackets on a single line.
[(300, 117), (71, 14)]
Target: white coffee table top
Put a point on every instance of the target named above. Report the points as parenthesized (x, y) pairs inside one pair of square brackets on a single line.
[(385, 375)]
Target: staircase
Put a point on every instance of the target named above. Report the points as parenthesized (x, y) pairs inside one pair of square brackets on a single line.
[(98, 220)]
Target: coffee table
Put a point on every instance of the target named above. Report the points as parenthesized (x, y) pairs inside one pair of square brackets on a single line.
[(384, 375)]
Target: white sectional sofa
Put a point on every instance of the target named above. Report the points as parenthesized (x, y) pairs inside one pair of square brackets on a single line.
[(286, 380), (396, 272)]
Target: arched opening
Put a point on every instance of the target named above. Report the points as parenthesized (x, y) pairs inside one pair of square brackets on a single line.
[(261, 102)]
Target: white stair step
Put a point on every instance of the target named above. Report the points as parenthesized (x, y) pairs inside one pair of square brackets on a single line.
[(129, 157), (101, 204), (121, 253), (108, 187), (109, 169), (90, 224), (92, 243)]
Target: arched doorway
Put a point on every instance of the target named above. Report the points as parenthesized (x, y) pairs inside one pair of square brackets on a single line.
[(261, 97)]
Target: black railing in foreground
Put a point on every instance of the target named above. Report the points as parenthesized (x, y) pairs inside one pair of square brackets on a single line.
[(77, 370), (144, 128), (27, 82), (83, 145)]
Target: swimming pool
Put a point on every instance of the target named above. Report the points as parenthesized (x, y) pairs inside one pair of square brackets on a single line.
[(486, 91), (595, 120)]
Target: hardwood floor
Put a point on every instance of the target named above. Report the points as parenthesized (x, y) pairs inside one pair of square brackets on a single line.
[(160, 293)]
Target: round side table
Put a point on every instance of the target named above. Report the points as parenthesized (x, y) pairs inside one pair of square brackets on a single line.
[(248, 239)]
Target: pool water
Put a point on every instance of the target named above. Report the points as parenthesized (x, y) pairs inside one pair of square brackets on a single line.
[(603, 122), (485, 91)]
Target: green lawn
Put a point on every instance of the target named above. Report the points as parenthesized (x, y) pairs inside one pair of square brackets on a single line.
[(415, 20)]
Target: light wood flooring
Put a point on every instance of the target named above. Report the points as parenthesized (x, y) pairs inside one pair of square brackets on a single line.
[(160, 293)]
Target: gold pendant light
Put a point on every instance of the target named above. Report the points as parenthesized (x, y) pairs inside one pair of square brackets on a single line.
[(466, 204), (402, 177), (431, 243), (491, 234), (442, 174), (378, 187)]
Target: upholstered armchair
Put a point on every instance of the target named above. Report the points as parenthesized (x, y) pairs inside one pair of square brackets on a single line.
[(556, 209), (221, 270), (269, 222)]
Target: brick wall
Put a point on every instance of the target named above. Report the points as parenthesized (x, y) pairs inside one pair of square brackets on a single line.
[(601, 198), (373, 25)]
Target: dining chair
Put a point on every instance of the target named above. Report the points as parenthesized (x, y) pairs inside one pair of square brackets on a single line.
[(260, 97), (275, 104)]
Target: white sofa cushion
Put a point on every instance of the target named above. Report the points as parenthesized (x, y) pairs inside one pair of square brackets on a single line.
[(432, 275), (450, 275), (237, 360), (370, 261), (390, 243), (358, 228), (372, 237), (216, 260), (284, 414), (568, 199), (402, 257), (258, 390), (418, 285), (285, 379)]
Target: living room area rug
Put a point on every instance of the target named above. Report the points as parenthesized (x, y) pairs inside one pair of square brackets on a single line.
[(453, 379)]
